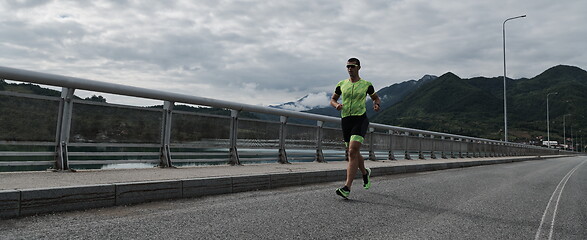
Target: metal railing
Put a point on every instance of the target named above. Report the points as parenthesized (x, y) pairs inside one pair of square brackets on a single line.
[(230, 139)]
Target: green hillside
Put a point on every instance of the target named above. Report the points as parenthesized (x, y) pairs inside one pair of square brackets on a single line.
[(474, 107), (447, 104)]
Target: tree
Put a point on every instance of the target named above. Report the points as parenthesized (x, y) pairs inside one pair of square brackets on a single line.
[(96, 99)]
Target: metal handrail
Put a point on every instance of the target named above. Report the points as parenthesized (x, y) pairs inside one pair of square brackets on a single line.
[(119, 89), (69, 84)]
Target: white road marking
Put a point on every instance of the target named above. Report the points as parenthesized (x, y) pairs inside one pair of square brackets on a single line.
[(551, 211)]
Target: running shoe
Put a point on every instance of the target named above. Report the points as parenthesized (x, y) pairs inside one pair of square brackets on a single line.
[(343, 193), (367, 179)]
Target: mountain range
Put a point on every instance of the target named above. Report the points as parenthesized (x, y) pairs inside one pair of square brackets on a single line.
[(474, 106)]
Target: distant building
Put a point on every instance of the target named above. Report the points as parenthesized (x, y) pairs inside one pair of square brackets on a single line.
[(550, 143)]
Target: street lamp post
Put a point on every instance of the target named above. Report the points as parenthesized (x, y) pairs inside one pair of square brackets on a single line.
[(573, 143), (565, 131), (581, 147), (548, 119), (505, 111)]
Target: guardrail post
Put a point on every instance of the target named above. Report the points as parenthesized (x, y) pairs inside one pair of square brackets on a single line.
[(407, 152), (514, 150), (165, 151), (511, 150), (485, 147), (432, 154), (469, 146), (452, 147), (476, 151), (461, 148), (234, 159), (63, 129), (390, 156), (499, 150), (282, 134), (319, 138), (443, 153), (372, 156), (420, 152)]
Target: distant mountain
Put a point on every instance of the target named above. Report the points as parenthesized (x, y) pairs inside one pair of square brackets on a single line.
[(397, 92), (474, 107), (438, 104), (310, 101)]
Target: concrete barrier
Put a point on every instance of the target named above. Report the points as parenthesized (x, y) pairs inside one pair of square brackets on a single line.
[(335, 175), (206, 186), (314, 177), (251, 183), (37, 201), (139, 192), (9, 203), (286, 180)]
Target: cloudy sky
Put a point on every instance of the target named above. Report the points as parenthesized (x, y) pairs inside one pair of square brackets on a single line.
[(271, 52)]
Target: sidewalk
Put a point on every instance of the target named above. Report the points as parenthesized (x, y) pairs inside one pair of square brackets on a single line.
[(29, 193)]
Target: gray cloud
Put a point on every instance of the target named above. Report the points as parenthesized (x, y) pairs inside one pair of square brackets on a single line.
[(270, 52)]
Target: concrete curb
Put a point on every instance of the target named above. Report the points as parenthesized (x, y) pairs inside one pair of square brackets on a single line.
[(26, 202)]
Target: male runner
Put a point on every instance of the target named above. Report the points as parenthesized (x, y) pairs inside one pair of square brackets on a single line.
[(354, 121)]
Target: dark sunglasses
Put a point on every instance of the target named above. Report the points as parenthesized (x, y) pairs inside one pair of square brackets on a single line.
[(351, 65)]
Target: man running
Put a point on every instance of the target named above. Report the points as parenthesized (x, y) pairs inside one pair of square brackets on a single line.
[(354, 121)]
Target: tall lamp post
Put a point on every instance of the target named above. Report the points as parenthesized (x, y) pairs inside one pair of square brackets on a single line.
[(565, 131), (505, 111), (581, 142), (572, 139), (548, 119)]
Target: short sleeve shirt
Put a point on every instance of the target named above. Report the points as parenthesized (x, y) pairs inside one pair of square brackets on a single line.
[(353, 96)]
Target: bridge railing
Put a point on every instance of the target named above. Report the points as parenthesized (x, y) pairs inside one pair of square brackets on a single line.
[(170, 136)]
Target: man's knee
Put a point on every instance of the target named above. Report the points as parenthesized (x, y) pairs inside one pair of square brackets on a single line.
[(354, 148)]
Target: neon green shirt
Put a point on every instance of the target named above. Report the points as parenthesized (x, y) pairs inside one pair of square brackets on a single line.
[(353, 96)]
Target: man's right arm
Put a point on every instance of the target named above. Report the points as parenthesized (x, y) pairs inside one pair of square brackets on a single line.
[(334, 101)]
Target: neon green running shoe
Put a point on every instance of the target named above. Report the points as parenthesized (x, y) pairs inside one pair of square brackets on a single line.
[(367, 179), (343, 193)]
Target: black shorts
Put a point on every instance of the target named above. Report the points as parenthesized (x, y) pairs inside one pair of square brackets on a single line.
[(354, 128)]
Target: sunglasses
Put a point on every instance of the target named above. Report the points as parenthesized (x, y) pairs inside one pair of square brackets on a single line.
[(352, 66)]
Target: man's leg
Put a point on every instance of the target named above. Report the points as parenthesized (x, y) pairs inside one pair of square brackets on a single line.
[(362, 164), (346, 153), (356, 161)]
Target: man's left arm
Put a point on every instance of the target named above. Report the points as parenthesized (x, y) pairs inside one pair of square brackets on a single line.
[(376, 102)]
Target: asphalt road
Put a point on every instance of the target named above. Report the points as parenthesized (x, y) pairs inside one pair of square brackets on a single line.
[(543, 199)]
